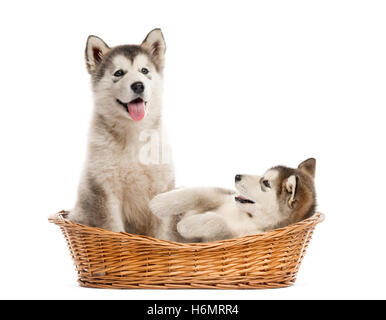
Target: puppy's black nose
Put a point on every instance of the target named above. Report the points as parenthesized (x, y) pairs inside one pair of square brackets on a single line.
[(138, 87), (238, 177)]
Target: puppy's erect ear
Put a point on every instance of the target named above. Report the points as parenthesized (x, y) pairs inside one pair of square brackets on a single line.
[(155, 44), (308, 166), (96, 49), (290, 186)]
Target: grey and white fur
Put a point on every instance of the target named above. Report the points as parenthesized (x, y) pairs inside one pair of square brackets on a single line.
[(116, 186), (279, 197)]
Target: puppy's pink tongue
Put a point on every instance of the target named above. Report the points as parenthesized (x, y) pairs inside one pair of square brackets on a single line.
[(136, 110)]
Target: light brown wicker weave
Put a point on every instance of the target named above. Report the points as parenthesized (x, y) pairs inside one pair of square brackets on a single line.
[(106, 259)]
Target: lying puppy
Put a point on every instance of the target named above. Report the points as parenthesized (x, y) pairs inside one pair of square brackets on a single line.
[(280, 197)]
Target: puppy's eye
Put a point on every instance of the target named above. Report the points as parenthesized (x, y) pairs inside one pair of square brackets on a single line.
[(119, 73), (144, 71), (249, 215), (266, 183)]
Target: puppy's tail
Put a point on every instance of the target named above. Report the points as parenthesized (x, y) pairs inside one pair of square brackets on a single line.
[(182, 200)]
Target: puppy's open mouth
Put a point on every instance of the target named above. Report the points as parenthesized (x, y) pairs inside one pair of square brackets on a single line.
[(241, 199), (136, 108)]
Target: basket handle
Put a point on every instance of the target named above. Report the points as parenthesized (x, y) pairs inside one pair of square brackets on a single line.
[(57, 217), (321, 217)]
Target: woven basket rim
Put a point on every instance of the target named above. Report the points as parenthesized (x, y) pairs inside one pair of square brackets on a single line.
[(61, 220)]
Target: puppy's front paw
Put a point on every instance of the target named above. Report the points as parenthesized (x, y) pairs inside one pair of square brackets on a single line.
[(187, 228), (160, 206), (208, 226)]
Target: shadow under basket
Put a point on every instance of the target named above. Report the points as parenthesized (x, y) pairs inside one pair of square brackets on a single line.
[(106, 259)]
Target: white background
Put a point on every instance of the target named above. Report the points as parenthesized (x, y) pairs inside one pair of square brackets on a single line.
[(248, 85)]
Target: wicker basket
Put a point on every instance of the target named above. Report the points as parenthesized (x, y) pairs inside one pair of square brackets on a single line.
[(106, 259)]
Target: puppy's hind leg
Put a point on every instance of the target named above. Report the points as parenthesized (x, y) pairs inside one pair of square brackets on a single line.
[(98, 207)]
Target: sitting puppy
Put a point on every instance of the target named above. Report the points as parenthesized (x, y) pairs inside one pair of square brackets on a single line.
[(280, 197)]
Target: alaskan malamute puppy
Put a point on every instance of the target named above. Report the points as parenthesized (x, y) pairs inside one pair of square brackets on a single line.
[(118, 181), (280, 197)]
